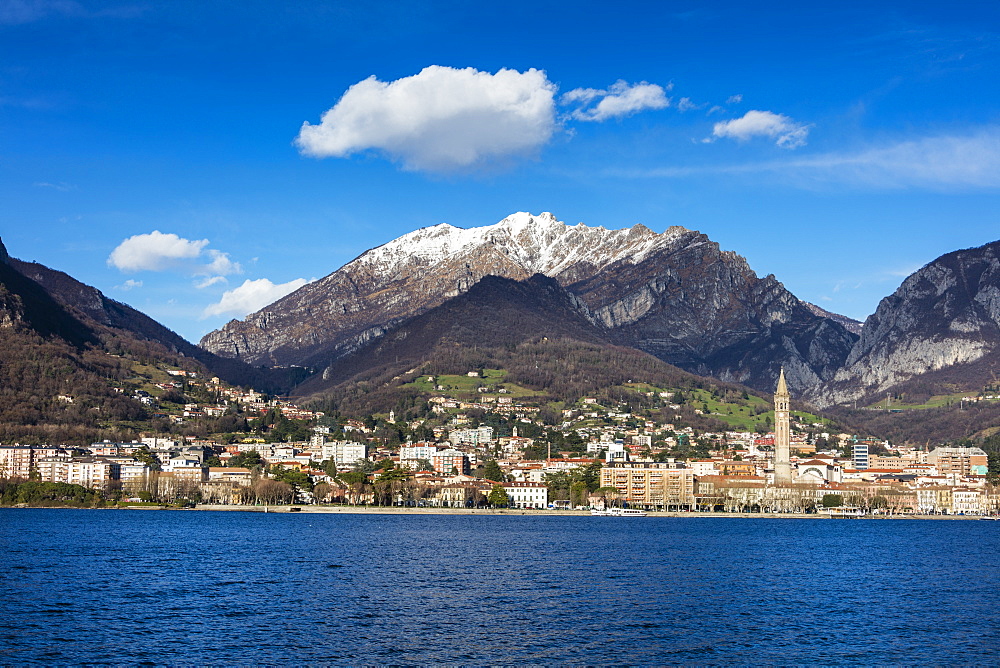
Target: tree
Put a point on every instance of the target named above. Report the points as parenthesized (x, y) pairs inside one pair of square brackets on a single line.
[(492, 471), (145, 455), (294, 477), (606, 494), (832, 501), (498, 497), (250, 459)]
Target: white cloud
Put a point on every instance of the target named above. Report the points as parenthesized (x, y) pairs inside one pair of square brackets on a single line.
[(685, 104), (129, 284), (621, 99), (221, 265), (442, 119), (252, 296), (60, 186), (157, 251), (786, 132), (734, 99), (210, 281), (941, 162)]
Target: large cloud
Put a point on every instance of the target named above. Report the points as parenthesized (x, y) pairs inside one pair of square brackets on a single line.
[(252, 296), (621, 99), (157, 251), (786, 132), (442, 119)]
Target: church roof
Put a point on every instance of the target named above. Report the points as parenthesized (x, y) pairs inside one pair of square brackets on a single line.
[(782, 386)]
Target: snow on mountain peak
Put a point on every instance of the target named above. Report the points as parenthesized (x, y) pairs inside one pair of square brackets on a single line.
[(537, 243)]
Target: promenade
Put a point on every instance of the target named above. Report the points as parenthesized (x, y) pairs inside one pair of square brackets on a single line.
[(397, 510)]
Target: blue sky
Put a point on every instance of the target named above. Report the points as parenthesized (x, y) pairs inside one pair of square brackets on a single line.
[(157, 150)]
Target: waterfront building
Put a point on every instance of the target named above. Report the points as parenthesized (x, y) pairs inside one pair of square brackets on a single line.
[(527, 494), (18, 461), (782, 433), (650, 484), (91, 472)]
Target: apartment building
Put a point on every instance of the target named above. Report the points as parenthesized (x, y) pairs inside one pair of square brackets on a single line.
[(650, 484), (91, 472), (17, 461)]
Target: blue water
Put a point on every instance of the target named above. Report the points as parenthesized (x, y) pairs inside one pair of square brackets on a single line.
[(129, 587)]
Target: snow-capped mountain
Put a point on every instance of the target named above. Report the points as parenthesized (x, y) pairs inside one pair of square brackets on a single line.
[(675, 295)]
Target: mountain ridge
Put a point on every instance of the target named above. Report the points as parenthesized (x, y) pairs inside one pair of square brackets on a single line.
[(675, 294), (944, 316)]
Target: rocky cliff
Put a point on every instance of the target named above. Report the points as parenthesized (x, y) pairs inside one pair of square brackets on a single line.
[(675, 295), (942, 325)]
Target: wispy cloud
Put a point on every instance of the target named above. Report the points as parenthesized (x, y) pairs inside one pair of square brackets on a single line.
[(210, 281), (19, 12), (941, 162), (130, 284), (60, 186), (621, 99)]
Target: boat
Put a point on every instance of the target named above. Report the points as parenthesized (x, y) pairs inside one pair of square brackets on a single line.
[(619, 512)]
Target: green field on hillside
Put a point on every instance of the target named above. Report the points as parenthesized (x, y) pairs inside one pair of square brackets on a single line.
[(937, 401), (494, 379)]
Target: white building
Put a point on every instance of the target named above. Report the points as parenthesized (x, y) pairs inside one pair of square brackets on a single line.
[(424, 451), (88, 472), (344, 453), (475, 437), (967, 502), (527, 494)]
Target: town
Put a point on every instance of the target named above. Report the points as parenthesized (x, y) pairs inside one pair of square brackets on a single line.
[(497, 451)]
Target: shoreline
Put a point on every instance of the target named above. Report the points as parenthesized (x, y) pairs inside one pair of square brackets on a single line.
[(509, 512), (512, 512)]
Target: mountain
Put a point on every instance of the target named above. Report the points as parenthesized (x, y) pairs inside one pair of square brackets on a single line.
[(26, 306), (495, 313), (938, 332), (850, 324), (69, 355), (54, 372), (93, 310), (540, 335), (675, 295)]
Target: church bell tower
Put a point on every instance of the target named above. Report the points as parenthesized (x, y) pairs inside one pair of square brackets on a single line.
[(782, 433)]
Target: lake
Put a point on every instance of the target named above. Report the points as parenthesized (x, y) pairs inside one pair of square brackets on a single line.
[(188, 587)]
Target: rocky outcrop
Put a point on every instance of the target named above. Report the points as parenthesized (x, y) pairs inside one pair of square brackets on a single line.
[(675, 295), (946, 315)]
